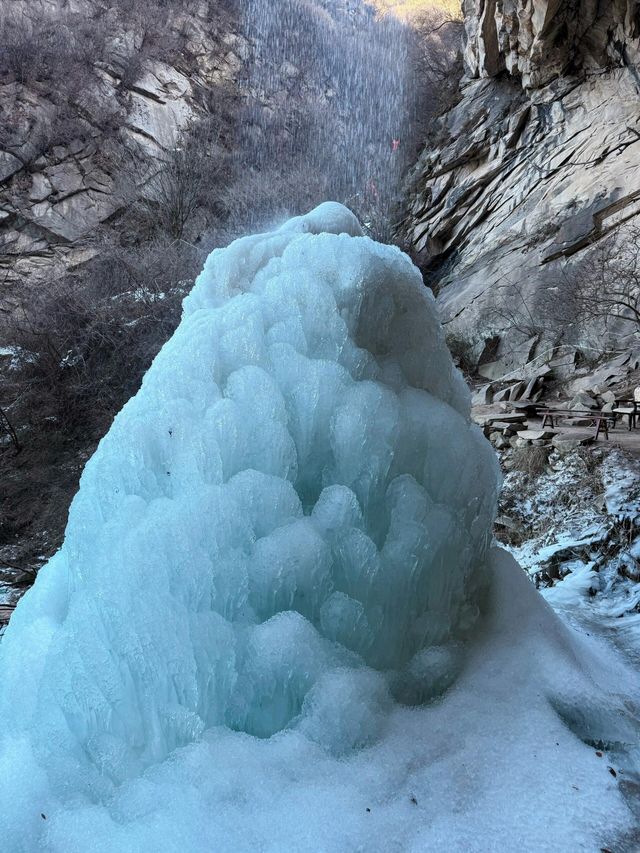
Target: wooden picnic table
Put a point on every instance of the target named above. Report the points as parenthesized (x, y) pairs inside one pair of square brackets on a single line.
[(600, 419)]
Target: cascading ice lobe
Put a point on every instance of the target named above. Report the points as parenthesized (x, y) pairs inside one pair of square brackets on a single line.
[(282, 526)]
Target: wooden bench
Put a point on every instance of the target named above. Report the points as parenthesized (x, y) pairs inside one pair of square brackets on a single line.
[(599, 419), (628, 408)]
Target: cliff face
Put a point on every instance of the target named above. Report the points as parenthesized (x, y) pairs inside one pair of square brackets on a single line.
[(93, 96), (538, 162), (539, 40)]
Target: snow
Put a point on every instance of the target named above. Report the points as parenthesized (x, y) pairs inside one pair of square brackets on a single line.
[(17, 355), (276, 621), (580, 579), (622, 491), (582, 525), (489, 767)]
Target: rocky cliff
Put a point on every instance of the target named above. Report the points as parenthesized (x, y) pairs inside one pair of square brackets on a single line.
[(93, 96), (521, 181)]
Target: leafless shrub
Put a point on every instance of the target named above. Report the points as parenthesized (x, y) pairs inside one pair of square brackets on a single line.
[(59, 50), (605, 292), (261, 198), (189, 182), (588, 470), (530, 460), (90, 337), (29, 50), (587, 305), (546, 311)]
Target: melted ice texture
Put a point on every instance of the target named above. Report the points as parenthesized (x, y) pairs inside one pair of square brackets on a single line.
[(292, 512)]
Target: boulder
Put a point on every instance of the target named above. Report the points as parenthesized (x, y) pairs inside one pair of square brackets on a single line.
[(494, 370), (503, 417), (502, 395), (516, 391), (565, 443), (9, 165), (530, 388), (583, 400), (508, 523), (536, 434), (504, 426), (498, 440), (483, 396)]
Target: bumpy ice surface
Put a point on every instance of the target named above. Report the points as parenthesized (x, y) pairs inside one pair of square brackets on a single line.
[(275, 556)]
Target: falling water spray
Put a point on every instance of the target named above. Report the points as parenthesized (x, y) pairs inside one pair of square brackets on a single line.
[(330, 88)]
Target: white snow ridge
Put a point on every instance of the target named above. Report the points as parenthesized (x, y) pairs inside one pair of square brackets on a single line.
[(276, 622)]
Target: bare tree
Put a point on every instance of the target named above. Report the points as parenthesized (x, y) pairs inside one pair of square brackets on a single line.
[(605, 291), (588, 303), (439, 60), (544, 311), (176, 191), (186, 190)]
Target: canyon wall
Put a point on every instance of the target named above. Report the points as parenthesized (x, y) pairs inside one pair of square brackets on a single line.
[(522, 180), (93, 98)]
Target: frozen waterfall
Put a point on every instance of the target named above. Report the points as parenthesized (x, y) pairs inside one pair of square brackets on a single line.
[(276, 558), (294, 502)]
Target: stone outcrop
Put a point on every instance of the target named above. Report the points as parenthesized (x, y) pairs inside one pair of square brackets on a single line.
[(539, 40), (537, 163), (60, 184)]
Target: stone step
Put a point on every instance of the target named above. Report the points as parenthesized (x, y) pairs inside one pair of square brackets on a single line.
[(567, 443), (536, 434)]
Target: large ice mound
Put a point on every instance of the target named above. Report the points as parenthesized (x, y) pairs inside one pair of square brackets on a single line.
[(285, 527)]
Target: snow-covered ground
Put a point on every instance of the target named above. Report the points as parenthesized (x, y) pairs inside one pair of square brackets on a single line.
[(277, 622), (582, 545), (580, 521)]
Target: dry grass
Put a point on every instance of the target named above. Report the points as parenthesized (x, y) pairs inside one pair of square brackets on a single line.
[(531, 461)]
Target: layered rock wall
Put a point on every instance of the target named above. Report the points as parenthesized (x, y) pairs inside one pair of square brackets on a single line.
[(539, 161), (72, 158), (539, 40)]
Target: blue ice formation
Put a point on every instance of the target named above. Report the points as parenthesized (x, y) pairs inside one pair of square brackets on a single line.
[(291, 518)]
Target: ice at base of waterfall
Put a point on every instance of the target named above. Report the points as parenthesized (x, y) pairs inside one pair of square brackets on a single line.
[(276, 622), (490, 766)]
